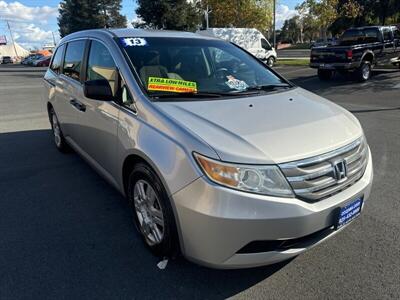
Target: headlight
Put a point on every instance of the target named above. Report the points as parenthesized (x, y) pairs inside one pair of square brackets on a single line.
[(262, 179)]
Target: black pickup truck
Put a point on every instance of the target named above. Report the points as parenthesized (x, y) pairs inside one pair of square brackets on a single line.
[(358, 50)]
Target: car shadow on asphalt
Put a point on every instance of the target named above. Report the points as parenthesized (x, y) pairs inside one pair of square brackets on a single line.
[(66, 233), (381, 79)]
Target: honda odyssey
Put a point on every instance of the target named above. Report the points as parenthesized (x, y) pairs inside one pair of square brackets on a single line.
[(220, 158)]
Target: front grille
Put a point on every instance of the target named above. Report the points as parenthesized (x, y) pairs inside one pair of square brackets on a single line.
[(316, 178)]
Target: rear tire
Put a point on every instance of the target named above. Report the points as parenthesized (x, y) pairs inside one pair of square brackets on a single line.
[(58, 136), (363, 73), (152, 211), (325, 74)]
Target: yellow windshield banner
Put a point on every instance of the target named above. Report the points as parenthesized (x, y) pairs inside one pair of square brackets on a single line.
[(171, 85)]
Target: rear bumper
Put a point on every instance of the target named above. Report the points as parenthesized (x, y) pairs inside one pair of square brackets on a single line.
[(335, 66), (216, 223)]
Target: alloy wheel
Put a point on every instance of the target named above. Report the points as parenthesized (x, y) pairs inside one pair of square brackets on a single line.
[(270, 62), (366, 71), (56, 130), (149, 212)]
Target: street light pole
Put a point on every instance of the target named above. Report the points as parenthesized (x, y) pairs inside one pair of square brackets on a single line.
[(54, 39), (12, 38)]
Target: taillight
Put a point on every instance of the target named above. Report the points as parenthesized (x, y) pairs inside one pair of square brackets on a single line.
[(349, 53)]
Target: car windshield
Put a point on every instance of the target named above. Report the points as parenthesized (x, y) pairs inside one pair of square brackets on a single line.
[(191, 66), (359, 36)]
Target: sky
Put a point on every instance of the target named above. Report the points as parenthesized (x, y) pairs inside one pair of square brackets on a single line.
[(34, 22)]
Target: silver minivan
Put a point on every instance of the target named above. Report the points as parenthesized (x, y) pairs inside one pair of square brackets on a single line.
[(220, 158)]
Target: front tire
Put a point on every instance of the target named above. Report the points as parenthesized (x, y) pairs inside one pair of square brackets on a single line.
[(58, 136), (363, 73), (325, 74), (152, 211), (270, 61)]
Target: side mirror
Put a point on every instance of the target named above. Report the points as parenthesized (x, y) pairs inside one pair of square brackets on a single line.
[(98, 90)]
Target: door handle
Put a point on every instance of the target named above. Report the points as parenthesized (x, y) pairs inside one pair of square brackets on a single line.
[(78, 105)]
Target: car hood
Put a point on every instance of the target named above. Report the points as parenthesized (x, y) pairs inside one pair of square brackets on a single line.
[(267, 128)]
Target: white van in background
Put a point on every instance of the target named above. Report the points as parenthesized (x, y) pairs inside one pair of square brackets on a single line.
[(250, 39)]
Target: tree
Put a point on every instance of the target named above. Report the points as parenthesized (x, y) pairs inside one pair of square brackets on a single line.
[(240, 13), (291, 30), (324, 13), (350, 14), (308, 24), (169, 14), (110, 13), (339, 15), (76, 15)]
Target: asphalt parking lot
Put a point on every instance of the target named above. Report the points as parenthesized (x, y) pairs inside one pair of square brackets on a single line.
[(66, 234)]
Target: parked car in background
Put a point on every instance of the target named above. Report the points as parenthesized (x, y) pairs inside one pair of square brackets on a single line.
[(7, 60), (215, 156), (27, 59), (358, 51), (24, 61), (31, 61), (249, 39), (42, 62)]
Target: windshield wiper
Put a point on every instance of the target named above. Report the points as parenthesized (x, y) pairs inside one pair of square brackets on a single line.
[(187, 95), (268, 87), (249, 91)]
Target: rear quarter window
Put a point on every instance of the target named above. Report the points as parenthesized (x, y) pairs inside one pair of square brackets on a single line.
[(371, 35), (387, 34), (396, 33), (57, 60)]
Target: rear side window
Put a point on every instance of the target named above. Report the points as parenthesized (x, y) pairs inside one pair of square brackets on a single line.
[(101, 65), (396, 33), (73, 59), (57, 60), (371, 35), (387, 34)]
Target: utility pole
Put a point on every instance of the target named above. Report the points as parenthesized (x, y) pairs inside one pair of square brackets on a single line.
[(274, 33), (54, 39), (206, 14), (12, 38)]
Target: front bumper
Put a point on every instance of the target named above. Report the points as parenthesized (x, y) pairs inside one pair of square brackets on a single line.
[(215, 222)]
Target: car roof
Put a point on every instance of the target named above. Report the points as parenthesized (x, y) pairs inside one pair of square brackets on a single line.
[(372, 27), (133, 32)]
